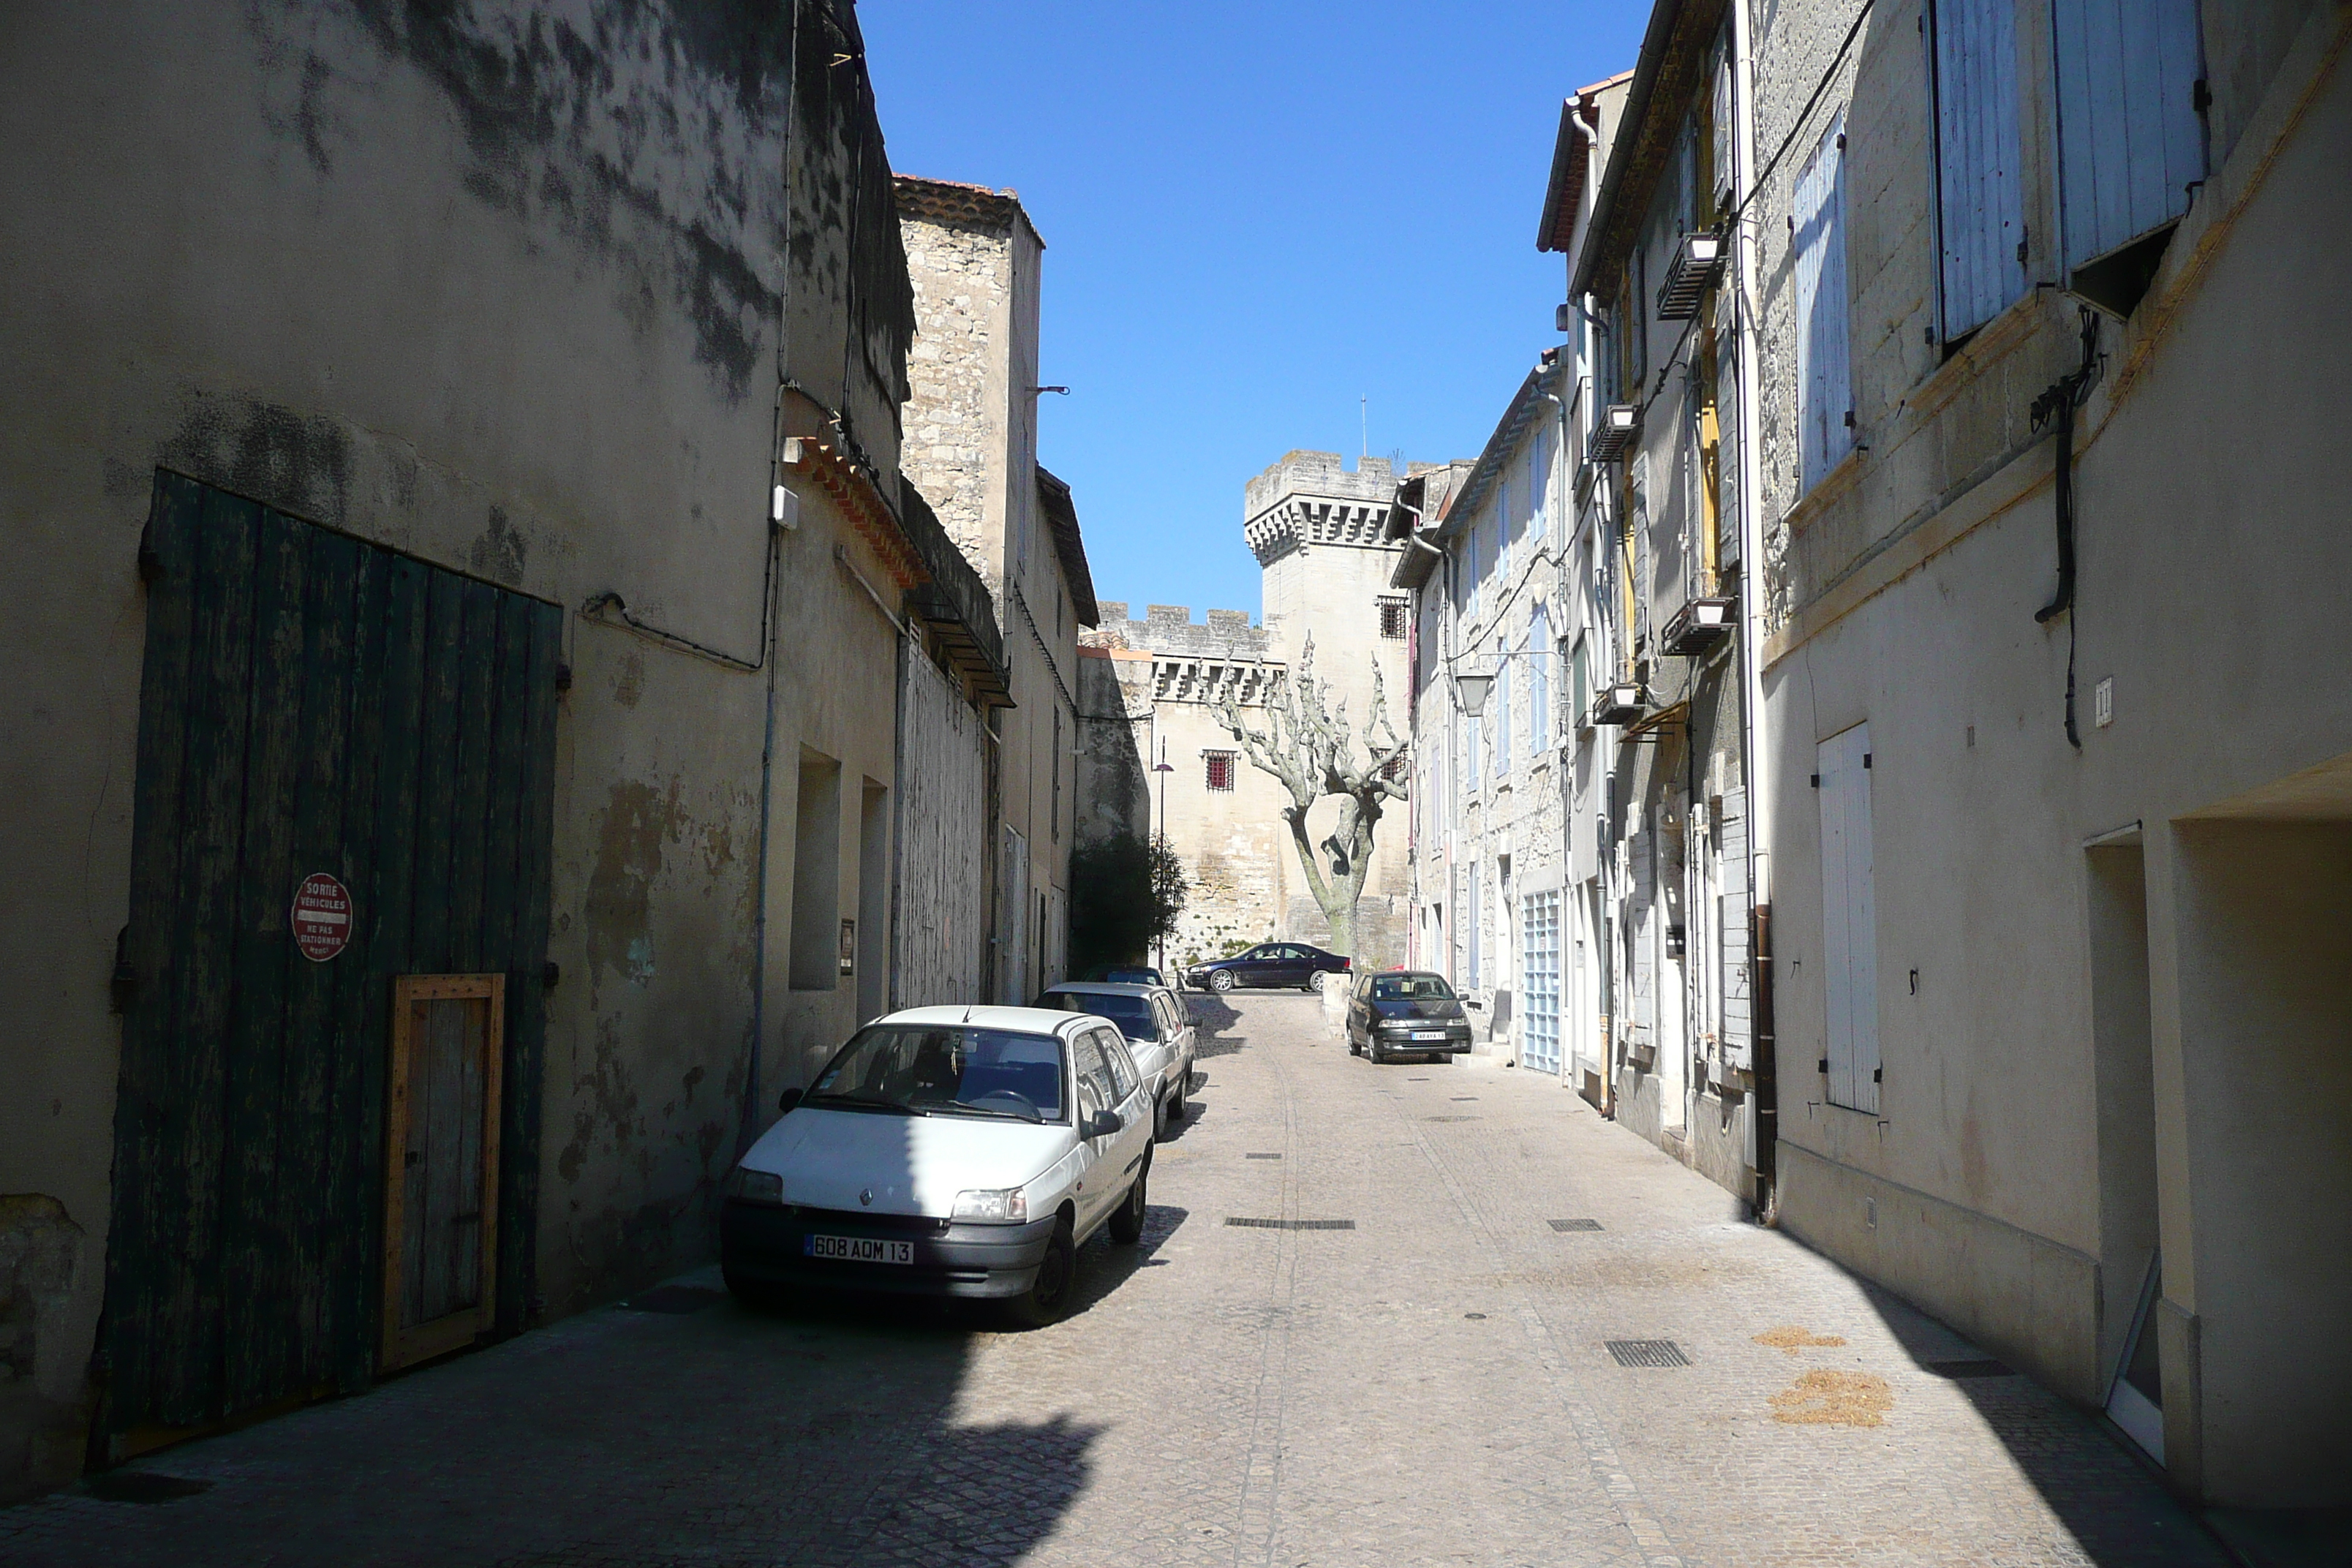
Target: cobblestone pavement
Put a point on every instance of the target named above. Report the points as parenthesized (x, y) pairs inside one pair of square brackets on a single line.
[(1432, 1386)]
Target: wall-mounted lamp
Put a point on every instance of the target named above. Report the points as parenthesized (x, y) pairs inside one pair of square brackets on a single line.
[(1063, 390), (1470, 692)]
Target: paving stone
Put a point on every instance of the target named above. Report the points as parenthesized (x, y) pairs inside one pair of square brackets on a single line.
[(1434, 1387)]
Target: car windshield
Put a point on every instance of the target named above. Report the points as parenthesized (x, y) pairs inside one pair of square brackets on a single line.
[(1133, 1015), (1410, 988), (919, 1069), (1135, 976)]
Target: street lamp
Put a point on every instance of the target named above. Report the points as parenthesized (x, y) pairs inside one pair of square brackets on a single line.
[(1161, 767), (1470, 692)]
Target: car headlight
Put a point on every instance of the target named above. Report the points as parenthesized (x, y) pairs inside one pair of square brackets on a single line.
[(1002, 1206), (755, 1186)]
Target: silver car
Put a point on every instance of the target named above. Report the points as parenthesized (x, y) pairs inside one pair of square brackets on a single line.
[(1159, 1031)]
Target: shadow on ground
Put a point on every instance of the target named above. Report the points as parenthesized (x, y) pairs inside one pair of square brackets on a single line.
[(690, 1431), (2113, 1504)]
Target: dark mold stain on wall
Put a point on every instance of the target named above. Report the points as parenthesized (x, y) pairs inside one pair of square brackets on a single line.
[(298, 463), (591, 124)]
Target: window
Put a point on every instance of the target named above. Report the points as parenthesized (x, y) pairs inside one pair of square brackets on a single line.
[(1849, 919), (1539, 680), (1395, 768), (1824, 385), (1980, 212), (1124, 1078), (1502, 710), (1470, 589), (1539, 486), (816, 875), (2130, 140), (1392, 620), (1580, 676), (1539, 981), (1055, 825), (1504, 517), (1221, 769), (1098, 1091), (1478, 910)]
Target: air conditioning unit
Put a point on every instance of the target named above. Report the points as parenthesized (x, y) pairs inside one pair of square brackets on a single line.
[(1697, 263), (1619, 425), (1618, 704), (1697, 627)]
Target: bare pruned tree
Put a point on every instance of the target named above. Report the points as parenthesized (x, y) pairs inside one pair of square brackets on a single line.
[(1308, 746)]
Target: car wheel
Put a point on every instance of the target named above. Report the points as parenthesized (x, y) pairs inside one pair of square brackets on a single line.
[(1222, 981), (1373, 1050), (1049, 1294), (755, 1294), (1127, 1220), (1176, 1101)]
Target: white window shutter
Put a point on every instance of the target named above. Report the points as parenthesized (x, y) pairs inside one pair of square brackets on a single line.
[(2129, 138), (1849, 920), (1824, 380), (1981, 196), (1739, 979)]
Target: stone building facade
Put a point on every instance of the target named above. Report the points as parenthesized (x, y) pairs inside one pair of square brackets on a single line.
[(1317, 527), (975, 263), (2060, 721), (381, 520)]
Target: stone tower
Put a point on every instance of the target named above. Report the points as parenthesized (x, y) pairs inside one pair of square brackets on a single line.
[(1314, 526)]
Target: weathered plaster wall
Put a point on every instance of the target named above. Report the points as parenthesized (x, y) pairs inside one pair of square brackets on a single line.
[(497, 288), (1908, 586)]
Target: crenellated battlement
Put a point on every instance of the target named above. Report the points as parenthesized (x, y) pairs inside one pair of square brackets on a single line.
[(1319, 474)]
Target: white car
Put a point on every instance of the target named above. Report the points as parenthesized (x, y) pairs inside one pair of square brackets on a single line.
[(963, 1151), (1158, 1034)]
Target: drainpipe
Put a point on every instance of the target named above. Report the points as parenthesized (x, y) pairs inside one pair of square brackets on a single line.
[(748, 1124), (1755, 766)]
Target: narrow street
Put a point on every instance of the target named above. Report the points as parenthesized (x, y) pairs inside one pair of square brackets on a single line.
[(1427, 1382)]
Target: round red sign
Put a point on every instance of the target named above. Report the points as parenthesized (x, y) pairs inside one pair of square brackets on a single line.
[(322, 917)]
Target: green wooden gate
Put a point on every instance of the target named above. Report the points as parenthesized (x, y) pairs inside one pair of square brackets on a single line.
[(310, 704)]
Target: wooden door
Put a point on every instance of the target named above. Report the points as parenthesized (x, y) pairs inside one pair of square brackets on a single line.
[(441, 1164), (312, 707)]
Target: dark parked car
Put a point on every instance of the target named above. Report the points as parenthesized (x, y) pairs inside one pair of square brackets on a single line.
[(1269, 964), (1405, 1012)]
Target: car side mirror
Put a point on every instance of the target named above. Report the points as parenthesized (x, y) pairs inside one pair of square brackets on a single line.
[(786, 1100), (1104, 1124)]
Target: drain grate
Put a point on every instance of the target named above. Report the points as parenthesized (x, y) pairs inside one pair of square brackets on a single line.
[(1449, 1119), (1416, 1080), (1291, 1224), (1970, 1369), (674, 1298), (1567, 1225), (1462, 1099), (1647, 1353), (1260, 1156)]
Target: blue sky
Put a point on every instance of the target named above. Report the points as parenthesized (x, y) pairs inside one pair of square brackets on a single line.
[(1253, 216)]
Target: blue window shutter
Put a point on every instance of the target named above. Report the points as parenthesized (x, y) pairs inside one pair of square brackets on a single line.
[(2129, 140), (1980, 198), (1502, 719), (1539, 681), (1824, 381)]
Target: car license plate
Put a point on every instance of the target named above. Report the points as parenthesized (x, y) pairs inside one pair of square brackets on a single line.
[(860, 1249), (1429, 1033)]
